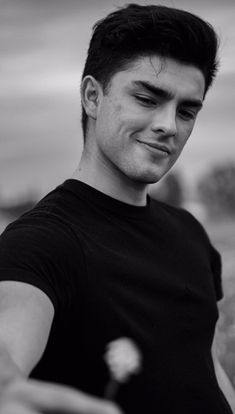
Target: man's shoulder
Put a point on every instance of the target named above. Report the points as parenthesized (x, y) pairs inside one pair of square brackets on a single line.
[(48, 219), (178, 216), (179, 212), (56, 207)]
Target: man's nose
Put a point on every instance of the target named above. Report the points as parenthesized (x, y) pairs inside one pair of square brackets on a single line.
[(164, 121)]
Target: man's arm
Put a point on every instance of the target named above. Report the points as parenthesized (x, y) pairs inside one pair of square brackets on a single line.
[(26, 315), (222, 378)]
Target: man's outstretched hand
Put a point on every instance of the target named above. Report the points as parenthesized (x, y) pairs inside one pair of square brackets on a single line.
[(36, 397)]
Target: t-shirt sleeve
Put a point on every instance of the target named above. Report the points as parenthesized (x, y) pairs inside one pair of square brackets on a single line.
[(43, 252), (216, 266), (213, 254)]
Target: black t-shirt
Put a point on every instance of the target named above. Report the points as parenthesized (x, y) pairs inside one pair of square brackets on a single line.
[(114, 270)]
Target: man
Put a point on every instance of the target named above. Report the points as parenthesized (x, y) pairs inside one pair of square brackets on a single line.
[(97, 260)]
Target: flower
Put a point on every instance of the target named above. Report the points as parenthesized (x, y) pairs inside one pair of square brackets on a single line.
[(123, 359)]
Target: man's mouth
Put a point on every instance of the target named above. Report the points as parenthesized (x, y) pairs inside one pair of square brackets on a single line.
[(153, 146)]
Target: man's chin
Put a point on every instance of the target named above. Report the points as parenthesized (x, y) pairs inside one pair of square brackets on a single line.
[(148, 178), (146, 175), (152, 177)]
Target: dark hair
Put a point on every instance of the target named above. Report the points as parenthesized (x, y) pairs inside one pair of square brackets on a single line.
[(134, 31)]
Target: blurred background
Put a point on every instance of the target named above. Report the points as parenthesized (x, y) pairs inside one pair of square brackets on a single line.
[(43, 47)]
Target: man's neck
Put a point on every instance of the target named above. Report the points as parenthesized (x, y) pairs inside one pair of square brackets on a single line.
[(117, 185)]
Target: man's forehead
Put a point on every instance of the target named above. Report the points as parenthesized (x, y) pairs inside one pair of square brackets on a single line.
[(165, 72)]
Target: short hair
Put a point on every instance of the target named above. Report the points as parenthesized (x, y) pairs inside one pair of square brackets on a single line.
[(137, 31)]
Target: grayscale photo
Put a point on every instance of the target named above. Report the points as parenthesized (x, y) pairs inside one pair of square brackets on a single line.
[(117, 207)]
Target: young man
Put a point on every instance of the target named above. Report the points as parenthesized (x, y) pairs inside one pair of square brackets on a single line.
[(97, 260)]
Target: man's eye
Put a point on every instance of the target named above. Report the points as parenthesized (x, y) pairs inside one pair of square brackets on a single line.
[(145, 100), (188, 115)]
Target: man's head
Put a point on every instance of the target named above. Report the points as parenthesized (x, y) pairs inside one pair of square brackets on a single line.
[(145, 31)]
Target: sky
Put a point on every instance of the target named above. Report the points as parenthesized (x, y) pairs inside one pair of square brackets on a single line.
[(43, 45)]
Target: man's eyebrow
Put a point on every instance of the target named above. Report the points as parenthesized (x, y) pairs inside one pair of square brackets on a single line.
[(163, 93)]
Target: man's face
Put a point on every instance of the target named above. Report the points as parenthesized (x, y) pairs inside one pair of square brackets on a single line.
[(146, 117)]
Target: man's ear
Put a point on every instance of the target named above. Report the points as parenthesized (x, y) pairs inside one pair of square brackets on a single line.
[(90, 95)]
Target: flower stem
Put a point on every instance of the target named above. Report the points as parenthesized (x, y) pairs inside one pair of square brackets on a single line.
[(111, 389)]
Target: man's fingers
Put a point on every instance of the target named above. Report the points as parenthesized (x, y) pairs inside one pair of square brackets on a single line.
[(47, 397)]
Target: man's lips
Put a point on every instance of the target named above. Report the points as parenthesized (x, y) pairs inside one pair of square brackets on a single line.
[(156, 146)]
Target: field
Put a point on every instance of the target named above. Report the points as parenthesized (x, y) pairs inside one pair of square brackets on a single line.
[(3, 222), (222, 233)]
